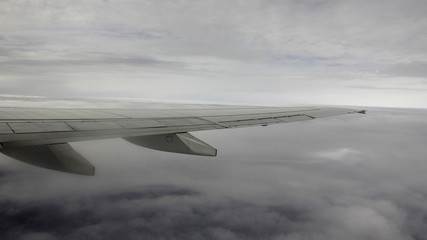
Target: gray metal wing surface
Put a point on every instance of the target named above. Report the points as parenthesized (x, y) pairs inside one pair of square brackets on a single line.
[(40, 136)]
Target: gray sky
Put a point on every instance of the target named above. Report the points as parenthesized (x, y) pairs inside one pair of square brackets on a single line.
[(248, 52), (348, 177)]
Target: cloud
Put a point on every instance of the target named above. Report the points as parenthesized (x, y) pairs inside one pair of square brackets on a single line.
[(389, 88), (266, 52), (289, 181), (165, 212), (292, 181), (341, 154), (105, 60), (412, 69), (37, 236), (361, 223)]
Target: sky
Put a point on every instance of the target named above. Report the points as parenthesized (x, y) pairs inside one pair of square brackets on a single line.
[(347, 177), (266, 52)]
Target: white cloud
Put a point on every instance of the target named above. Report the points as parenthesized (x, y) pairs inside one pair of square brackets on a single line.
[(341, 154), (361, 223)]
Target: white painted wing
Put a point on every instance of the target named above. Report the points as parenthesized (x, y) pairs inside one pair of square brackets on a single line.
[(22, 128)]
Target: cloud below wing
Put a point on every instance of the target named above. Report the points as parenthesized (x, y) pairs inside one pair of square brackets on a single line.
[(346, 177)]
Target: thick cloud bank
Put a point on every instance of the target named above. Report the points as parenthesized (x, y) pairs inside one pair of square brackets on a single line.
[(347, 177)]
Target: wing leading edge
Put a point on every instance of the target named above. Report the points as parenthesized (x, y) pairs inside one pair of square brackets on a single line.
[(40, 136)]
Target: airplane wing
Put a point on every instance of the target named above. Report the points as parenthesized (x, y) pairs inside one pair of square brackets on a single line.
[(40, 136)]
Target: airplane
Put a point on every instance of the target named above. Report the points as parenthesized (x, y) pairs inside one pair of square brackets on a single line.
[(40, 136)]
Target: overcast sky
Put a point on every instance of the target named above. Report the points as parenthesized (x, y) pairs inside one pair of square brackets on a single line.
[(348, 177), (291, 52)]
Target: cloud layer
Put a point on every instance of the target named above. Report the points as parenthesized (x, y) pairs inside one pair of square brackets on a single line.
[(352, 177), (256, 52)]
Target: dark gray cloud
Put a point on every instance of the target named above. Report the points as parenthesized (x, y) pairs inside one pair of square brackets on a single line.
[(138, 214), (352, 177)]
